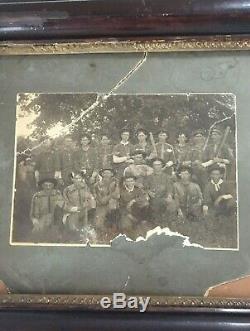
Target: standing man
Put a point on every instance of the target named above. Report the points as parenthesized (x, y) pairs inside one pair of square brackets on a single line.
[(142, 143), (122, 153), (65, 161), (47, 161), (86, 159), (44, 207), (79, 204), (25, 189), (217, 151), (160, 190), (182, 150), (165, 152), (197, 157), (105, 153)]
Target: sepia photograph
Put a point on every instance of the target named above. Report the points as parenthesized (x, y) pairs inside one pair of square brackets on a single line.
[(91, 167)]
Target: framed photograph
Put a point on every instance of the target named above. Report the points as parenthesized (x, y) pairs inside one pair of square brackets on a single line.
[(124, 164)]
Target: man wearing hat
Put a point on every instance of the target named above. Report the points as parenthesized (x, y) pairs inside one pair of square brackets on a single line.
[(79, 204), (44, 205), (160, 190), (105, 150), (197, 157), (46, 161), (217, 151), (188, 195), (122, 153), (138, 169), (218, 196), (86, 159), (106, 193), (164, 151), (134, 207), (65, 161), (25, 189), (182, 149)]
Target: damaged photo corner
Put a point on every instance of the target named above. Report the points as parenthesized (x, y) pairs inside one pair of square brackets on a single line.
[(95, 168)]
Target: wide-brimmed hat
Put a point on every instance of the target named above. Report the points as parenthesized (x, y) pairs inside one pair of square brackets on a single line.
[(85, 135), (216, 167), (198, 131), (47, 180), (182, 168), (128, 176), (106, 169), (216, 130), (82, 173), (156, 159), (138, 152)]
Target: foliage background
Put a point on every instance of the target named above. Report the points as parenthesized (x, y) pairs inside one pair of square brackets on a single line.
[(42, 115)]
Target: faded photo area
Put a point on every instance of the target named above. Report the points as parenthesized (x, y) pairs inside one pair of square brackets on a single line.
[(90, 167)]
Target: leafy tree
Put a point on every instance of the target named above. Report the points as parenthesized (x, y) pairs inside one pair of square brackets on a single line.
[(175, 113)]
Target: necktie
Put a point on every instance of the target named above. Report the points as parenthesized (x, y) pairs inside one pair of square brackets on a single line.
[(217, 185)]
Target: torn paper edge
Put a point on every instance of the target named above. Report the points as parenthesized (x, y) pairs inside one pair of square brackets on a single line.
[(206, 294)]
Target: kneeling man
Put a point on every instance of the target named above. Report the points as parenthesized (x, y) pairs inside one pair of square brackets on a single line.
[(187, 195), (44, 207), (134, 205), (218, 197), (106, 192)]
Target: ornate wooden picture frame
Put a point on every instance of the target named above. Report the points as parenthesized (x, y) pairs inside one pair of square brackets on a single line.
[(53, 28)]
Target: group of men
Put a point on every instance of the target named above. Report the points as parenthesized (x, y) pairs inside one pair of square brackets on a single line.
[(127, 188)]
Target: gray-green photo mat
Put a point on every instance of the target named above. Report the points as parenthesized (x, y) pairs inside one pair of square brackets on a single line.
[(159, 265)]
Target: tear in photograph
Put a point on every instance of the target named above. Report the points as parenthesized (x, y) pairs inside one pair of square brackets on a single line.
[(90, 167)]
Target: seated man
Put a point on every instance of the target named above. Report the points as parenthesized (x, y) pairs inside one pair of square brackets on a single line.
[(218, 197), (187, 195), (106, 193), (44, 207), (160, 190), (138, 169), (79, 204), (133, 206)]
